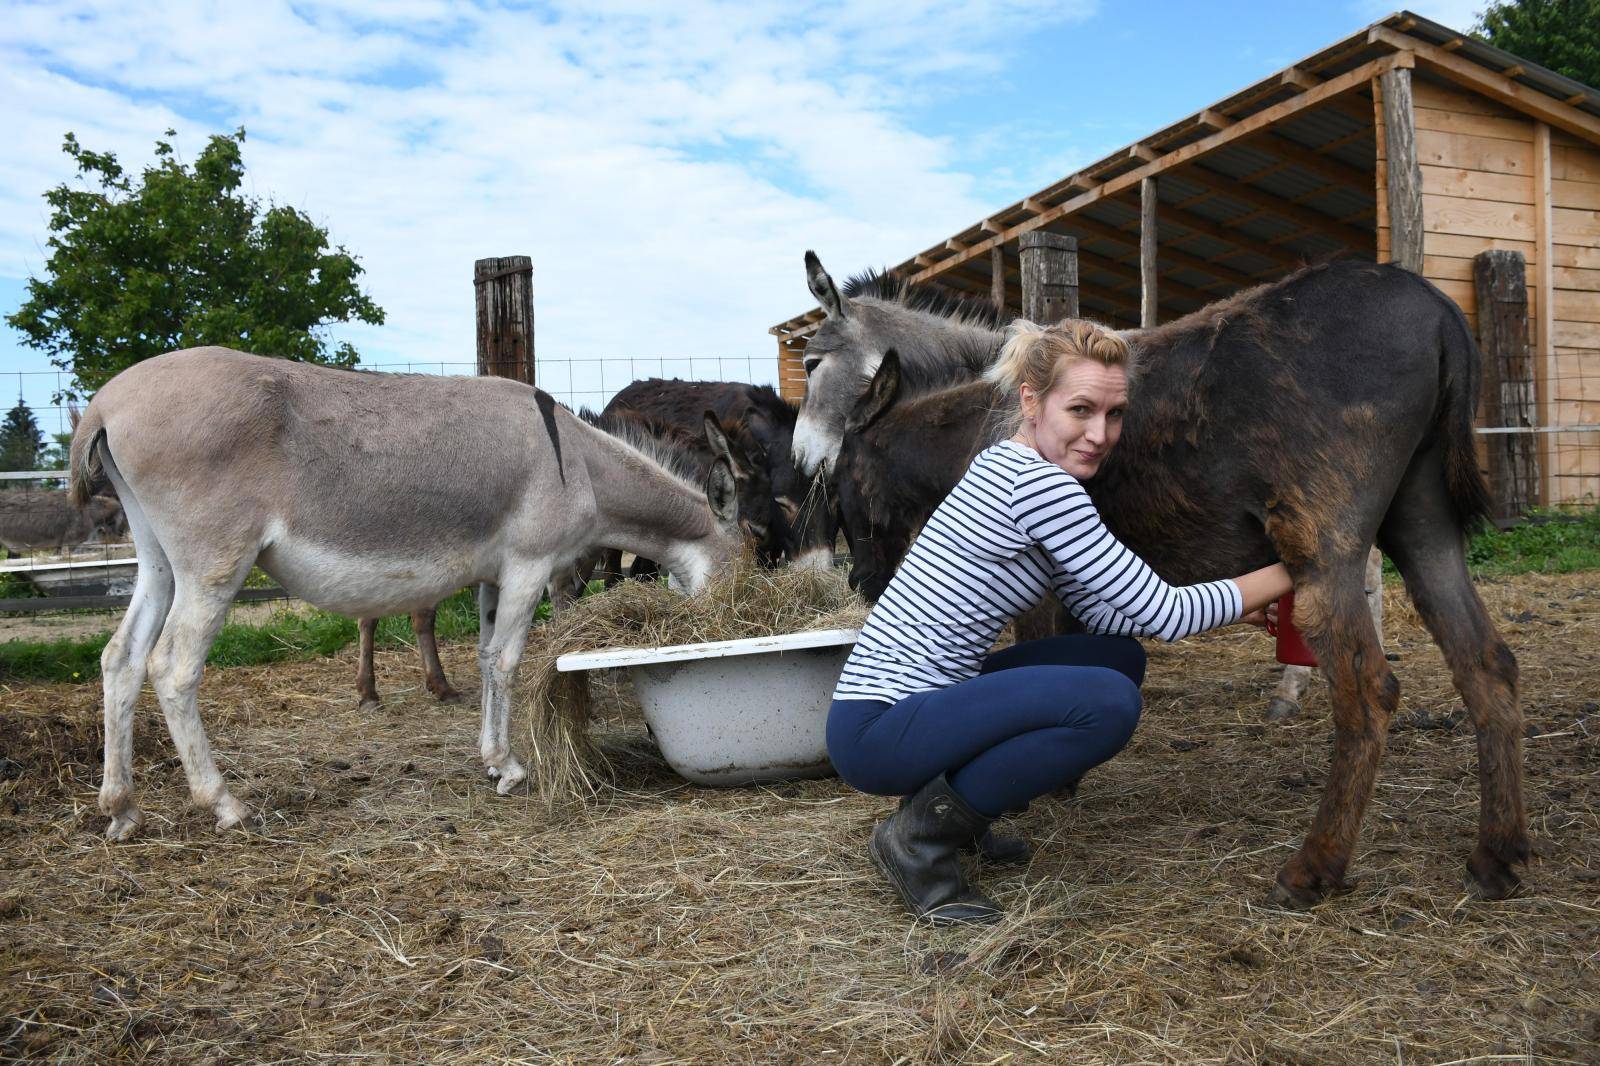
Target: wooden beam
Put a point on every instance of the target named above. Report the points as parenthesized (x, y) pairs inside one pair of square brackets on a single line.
[(1149, 308), (954, 245), (1234, 189), (1544, 359), (1244, 127), (1096, 228), (1404, 175), (1495, 86), (1313, 160), (1243, 242), (1297, 78), (989, 225), (997, 278), (1215, 119)]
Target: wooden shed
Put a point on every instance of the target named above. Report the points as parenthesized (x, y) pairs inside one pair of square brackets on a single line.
[(1406, 142)]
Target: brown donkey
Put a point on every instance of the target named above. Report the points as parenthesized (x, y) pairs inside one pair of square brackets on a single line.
[(365, 494), (1302, 420)]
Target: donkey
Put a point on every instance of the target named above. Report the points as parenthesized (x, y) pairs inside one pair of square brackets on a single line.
[(899, 460), (34, 519), (801, 525), (364, 494), (1301, 421), (689, 453)]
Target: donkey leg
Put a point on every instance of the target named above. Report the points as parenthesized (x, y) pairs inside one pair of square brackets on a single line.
[(422, 623), (488, 601), (515, 611), (122, 670), (124, 661), (176, 666), (1331, 608), (1423, 537), (1285, 702), (366, 685)]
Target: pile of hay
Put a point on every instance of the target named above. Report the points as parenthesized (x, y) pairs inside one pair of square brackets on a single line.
[(741, 601)]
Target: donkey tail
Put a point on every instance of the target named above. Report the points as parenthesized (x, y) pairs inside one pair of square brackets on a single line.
[(83, 461), (1460, 378)]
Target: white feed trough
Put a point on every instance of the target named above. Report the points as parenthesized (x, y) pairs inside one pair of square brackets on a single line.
[(736, 712), (82, 576)]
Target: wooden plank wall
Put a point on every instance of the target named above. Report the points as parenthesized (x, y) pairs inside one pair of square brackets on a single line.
[(1478, 180)]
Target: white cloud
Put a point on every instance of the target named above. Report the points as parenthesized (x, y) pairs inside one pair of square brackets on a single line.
[(665, 166)]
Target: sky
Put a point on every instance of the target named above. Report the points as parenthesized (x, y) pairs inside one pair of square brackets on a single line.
[(665, 165)]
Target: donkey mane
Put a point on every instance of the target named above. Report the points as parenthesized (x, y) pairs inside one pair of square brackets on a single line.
[(663, 445), (883, 285)]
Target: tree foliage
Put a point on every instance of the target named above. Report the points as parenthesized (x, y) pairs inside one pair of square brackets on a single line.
[(20, 440), (1563, 35), (182, 258)]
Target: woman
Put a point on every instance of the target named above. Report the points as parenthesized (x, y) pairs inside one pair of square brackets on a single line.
[(924, 712)]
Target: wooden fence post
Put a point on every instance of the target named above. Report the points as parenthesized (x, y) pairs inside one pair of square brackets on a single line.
[(1049, 276), (1501, 282), (504, 291), (997, 279)]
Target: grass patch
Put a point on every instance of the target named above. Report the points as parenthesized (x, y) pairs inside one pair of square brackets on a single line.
[(1550, 542), (287, 635)]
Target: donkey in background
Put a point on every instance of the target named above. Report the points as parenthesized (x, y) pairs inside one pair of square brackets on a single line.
[(363, 494), (1301, 421)]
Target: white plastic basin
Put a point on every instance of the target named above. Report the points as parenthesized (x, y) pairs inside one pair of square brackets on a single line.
[(736, 712)]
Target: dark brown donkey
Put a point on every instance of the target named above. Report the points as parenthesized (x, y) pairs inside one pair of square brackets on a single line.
[(1297, 421), (432, 670), (800, 526)]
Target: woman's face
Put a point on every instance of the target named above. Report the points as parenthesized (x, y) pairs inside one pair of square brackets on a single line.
[(1077, 423)]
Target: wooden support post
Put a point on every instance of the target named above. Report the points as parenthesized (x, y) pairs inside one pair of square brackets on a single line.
[(997, 282), (1049, 276), (1501, 282), (1149, 309), (504, 288), (1404, 174), (1544, 310)]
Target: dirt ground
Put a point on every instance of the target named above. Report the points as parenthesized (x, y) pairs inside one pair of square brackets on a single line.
[(389, 905), (60, 625)]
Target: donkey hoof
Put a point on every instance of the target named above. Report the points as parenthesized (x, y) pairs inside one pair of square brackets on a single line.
[(230, 814), (1490, 877), (370, 705), (1279, 709), (1302, 884), (125, 826), (510, 778), (449, 695)]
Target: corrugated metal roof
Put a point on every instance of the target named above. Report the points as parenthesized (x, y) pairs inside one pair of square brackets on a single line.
[(1318, 162)]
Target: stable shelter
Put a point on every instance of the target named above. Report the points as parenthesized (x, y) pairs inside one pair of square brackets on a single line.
[(1407, 142)]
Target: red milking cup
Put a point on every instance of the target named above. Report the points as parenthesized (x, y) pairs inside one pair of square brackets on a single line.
[(1292, 649)]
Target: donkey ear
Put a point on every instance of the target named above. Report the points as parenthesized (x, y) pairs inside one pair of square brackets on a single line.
[(823, 288), (880, 394), (722, 491), (717, 439)]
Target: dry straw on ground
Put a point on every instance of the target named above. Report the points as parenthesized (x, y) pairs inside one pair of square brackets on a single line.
[(741, 601), (390, 906)]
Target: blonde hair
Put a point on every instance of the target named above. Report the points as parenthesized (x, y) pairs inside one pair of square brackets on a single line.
[(1035, 355)]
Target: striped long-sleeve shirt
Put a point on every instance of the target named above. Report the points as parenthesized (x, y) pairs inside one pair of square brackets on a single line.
[(1014, 526)]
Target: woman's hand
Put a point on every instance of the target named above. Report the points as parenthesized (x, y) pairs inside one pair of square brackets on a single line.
[(1264, 616)]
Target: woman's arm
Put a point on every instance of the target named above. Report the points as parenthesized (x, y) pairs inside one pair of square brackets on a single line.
[(1261, 587), (1052, 508)]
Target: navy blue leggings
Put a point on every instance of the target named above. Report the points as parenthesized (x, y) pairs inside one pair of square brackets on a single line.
[(1039, 716)]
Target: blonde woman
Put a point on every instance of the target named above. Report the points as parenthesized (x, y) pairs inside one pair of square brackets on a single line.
[(923, 711)]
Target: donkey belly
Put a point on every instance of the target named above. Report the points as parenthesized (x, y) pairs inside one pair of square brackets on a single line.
[(368, 584)]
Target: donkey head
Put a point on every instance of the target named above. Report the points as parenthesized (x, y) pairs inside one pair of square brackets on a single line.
[(877, 533), (840, 357)]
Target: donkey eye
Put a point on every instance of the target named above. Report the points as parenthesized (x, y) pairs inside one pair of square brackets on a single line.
[(811, 363)]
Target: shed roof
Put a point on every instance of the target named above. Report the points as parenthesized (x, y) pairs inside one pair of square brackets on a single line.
[(1277, 174)]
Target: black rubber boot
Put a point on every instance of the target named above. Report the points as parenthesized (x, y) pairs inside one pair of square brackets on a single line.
[(915, 848), (1002, 849)]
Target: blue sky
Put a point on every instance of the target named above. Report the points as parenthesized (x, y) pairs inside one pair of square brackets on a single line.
[(665, 165)]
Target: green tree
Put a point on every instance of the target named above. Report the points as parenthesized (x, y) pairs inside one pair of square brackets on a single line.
[(180, 259), (20, 439), (1563, 35)]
